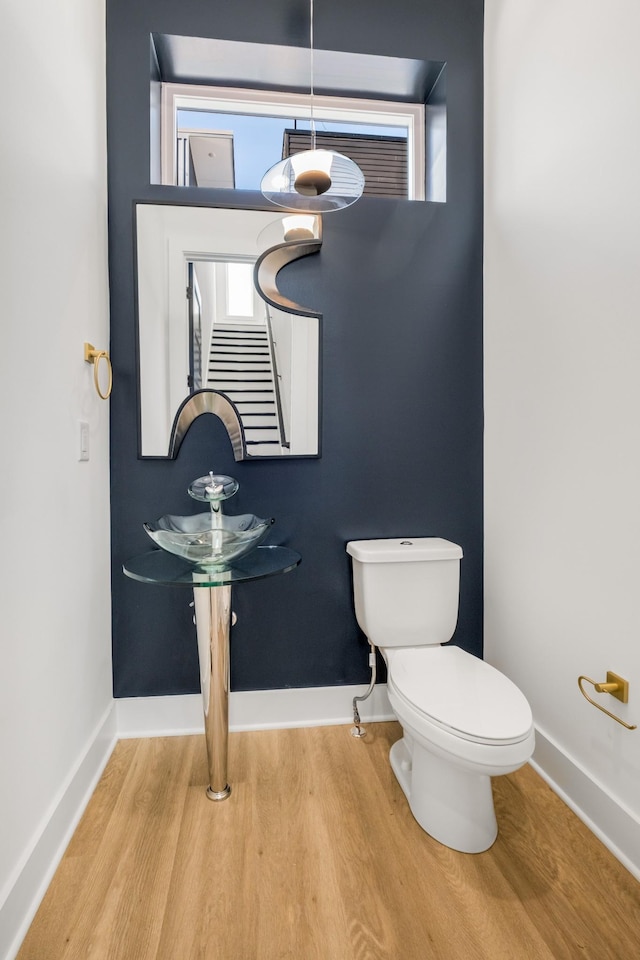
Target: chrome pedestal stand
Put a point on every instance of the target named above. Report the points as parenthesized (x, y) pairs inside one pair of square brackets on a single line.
[(213, 622), (213, 619)]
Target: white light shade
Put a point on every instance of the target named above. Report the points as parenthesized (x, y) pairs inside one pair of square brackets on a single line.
[(301, 227), (312, 160), (329, 180)]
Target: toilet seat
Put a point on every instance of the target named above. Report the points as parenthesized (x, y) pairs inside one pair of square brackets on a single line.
[(459, 693)]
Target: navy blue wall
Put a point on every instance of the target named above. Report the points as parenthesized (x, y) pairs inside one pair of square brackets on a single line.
[(400, 288)]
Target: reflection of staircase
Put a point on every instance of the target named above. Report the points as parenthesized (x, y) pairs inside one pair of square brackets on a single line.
[(240, 367)]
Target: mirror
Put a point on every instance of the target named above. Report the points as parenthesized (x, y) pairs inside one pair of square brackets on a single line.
[(213, 326)]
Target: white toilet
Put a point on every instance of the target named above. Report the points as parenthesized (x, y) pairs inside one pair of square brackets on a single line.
[(463, 721)]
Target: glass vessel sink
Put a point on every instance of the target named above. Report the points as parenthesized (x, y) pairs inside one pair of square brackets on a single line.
[(210, 539)]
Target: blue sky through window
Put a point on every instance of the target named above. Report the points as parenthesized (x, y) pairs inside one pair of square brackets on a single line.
[(258, 140)]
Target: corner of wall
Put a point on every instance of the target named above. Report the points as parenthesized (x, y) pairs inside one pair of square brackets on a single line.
[(606, 817), (24, 891)]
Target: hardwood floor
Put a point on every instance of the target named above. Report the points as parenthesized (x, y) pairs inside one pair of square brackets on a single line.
[(315, 856)]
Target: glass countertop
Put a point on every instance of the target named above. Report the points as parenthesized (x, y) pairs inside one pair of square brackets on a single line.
[(158, 566)]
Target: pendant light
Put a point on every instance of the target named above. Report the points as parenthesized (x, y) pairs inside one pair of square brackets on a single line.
[(316, 180), (299, 227)]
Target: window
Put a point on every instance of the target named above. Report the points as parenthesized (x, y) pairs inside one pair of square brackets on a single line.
[(223, 137), (240, 289)]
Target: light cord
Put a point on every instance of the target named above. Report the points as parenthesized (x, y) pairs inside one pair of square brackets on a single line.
[(312, 118)]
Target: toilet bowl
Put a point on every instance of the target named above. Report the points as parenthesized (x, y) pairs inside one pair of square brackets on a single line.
[(463, 721)]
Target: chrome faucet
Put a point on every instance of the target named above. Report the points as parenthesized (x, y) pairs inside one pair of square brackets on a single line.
[(213, 488)]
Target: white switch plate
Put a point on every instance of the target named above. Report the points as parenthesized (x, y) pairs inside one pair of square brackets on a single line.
[(83, 450)]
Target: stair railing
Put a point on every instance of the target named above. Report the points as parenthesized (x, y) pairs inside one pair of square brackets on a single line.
[(284, 441)]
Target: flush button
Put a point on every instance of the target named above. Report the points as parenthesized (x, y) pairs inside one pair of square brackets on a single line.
[(406, 543)]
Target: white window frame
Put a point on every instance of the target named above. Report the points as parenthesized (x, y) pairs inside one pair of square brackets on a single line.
[(409, 116)]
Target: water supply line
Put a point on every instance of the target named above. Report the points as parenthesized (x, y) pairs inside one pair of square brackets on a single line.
[(358, 730)]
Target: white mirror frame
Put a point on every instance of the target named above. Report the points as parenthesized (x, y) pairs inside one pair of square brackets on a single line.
[(168, 237)]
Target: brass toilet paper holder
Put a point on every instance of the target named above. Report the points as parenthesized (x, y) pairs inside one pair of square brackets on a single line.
[(617, 686)]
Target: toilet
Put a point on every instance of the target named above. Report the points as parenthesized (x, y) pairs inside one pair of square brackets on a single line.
[(463, 721)]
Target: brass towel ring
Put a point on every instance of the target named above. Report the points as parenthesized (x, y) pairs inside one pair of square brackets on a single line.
[(91, 355), (617, 687)]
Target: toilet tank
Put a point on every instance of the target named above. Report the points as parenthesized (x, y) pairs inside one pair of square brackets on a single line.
[(406, 591)]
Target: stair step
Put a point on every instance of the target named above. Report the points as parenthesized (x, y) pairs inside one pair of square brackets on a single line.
[(262, 416), (241, 376), (239, 396), (262, 436), (237, 338), (229, 362), (226, 373), (237, 328), (241, 386), (260, 376), (263, 450), (227, 350), (230, 340), (251, 419)]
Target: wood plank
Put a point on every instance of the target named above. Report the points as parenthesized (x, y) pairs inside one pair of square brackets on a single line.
[(316, 856)]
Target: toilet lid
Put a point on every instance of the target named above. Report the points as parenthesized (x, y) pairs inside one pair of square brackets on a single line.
[(460, 692)]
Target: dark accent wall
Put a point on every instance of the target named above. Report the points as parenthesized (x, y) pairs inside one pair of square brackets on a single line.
[(400, 288)]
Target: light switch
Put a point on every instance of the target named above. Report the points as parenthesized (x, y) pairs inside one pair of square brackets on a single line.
[(83, 452)]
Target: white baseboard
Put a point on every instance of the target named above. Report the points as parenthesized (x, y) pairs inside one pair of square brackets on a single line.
[(251, 710), (616, 826), (28, 884)]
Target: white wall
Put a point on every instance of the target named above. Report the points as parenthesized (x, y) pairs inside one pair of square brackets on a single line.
[(55, 673), (562, 315)]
